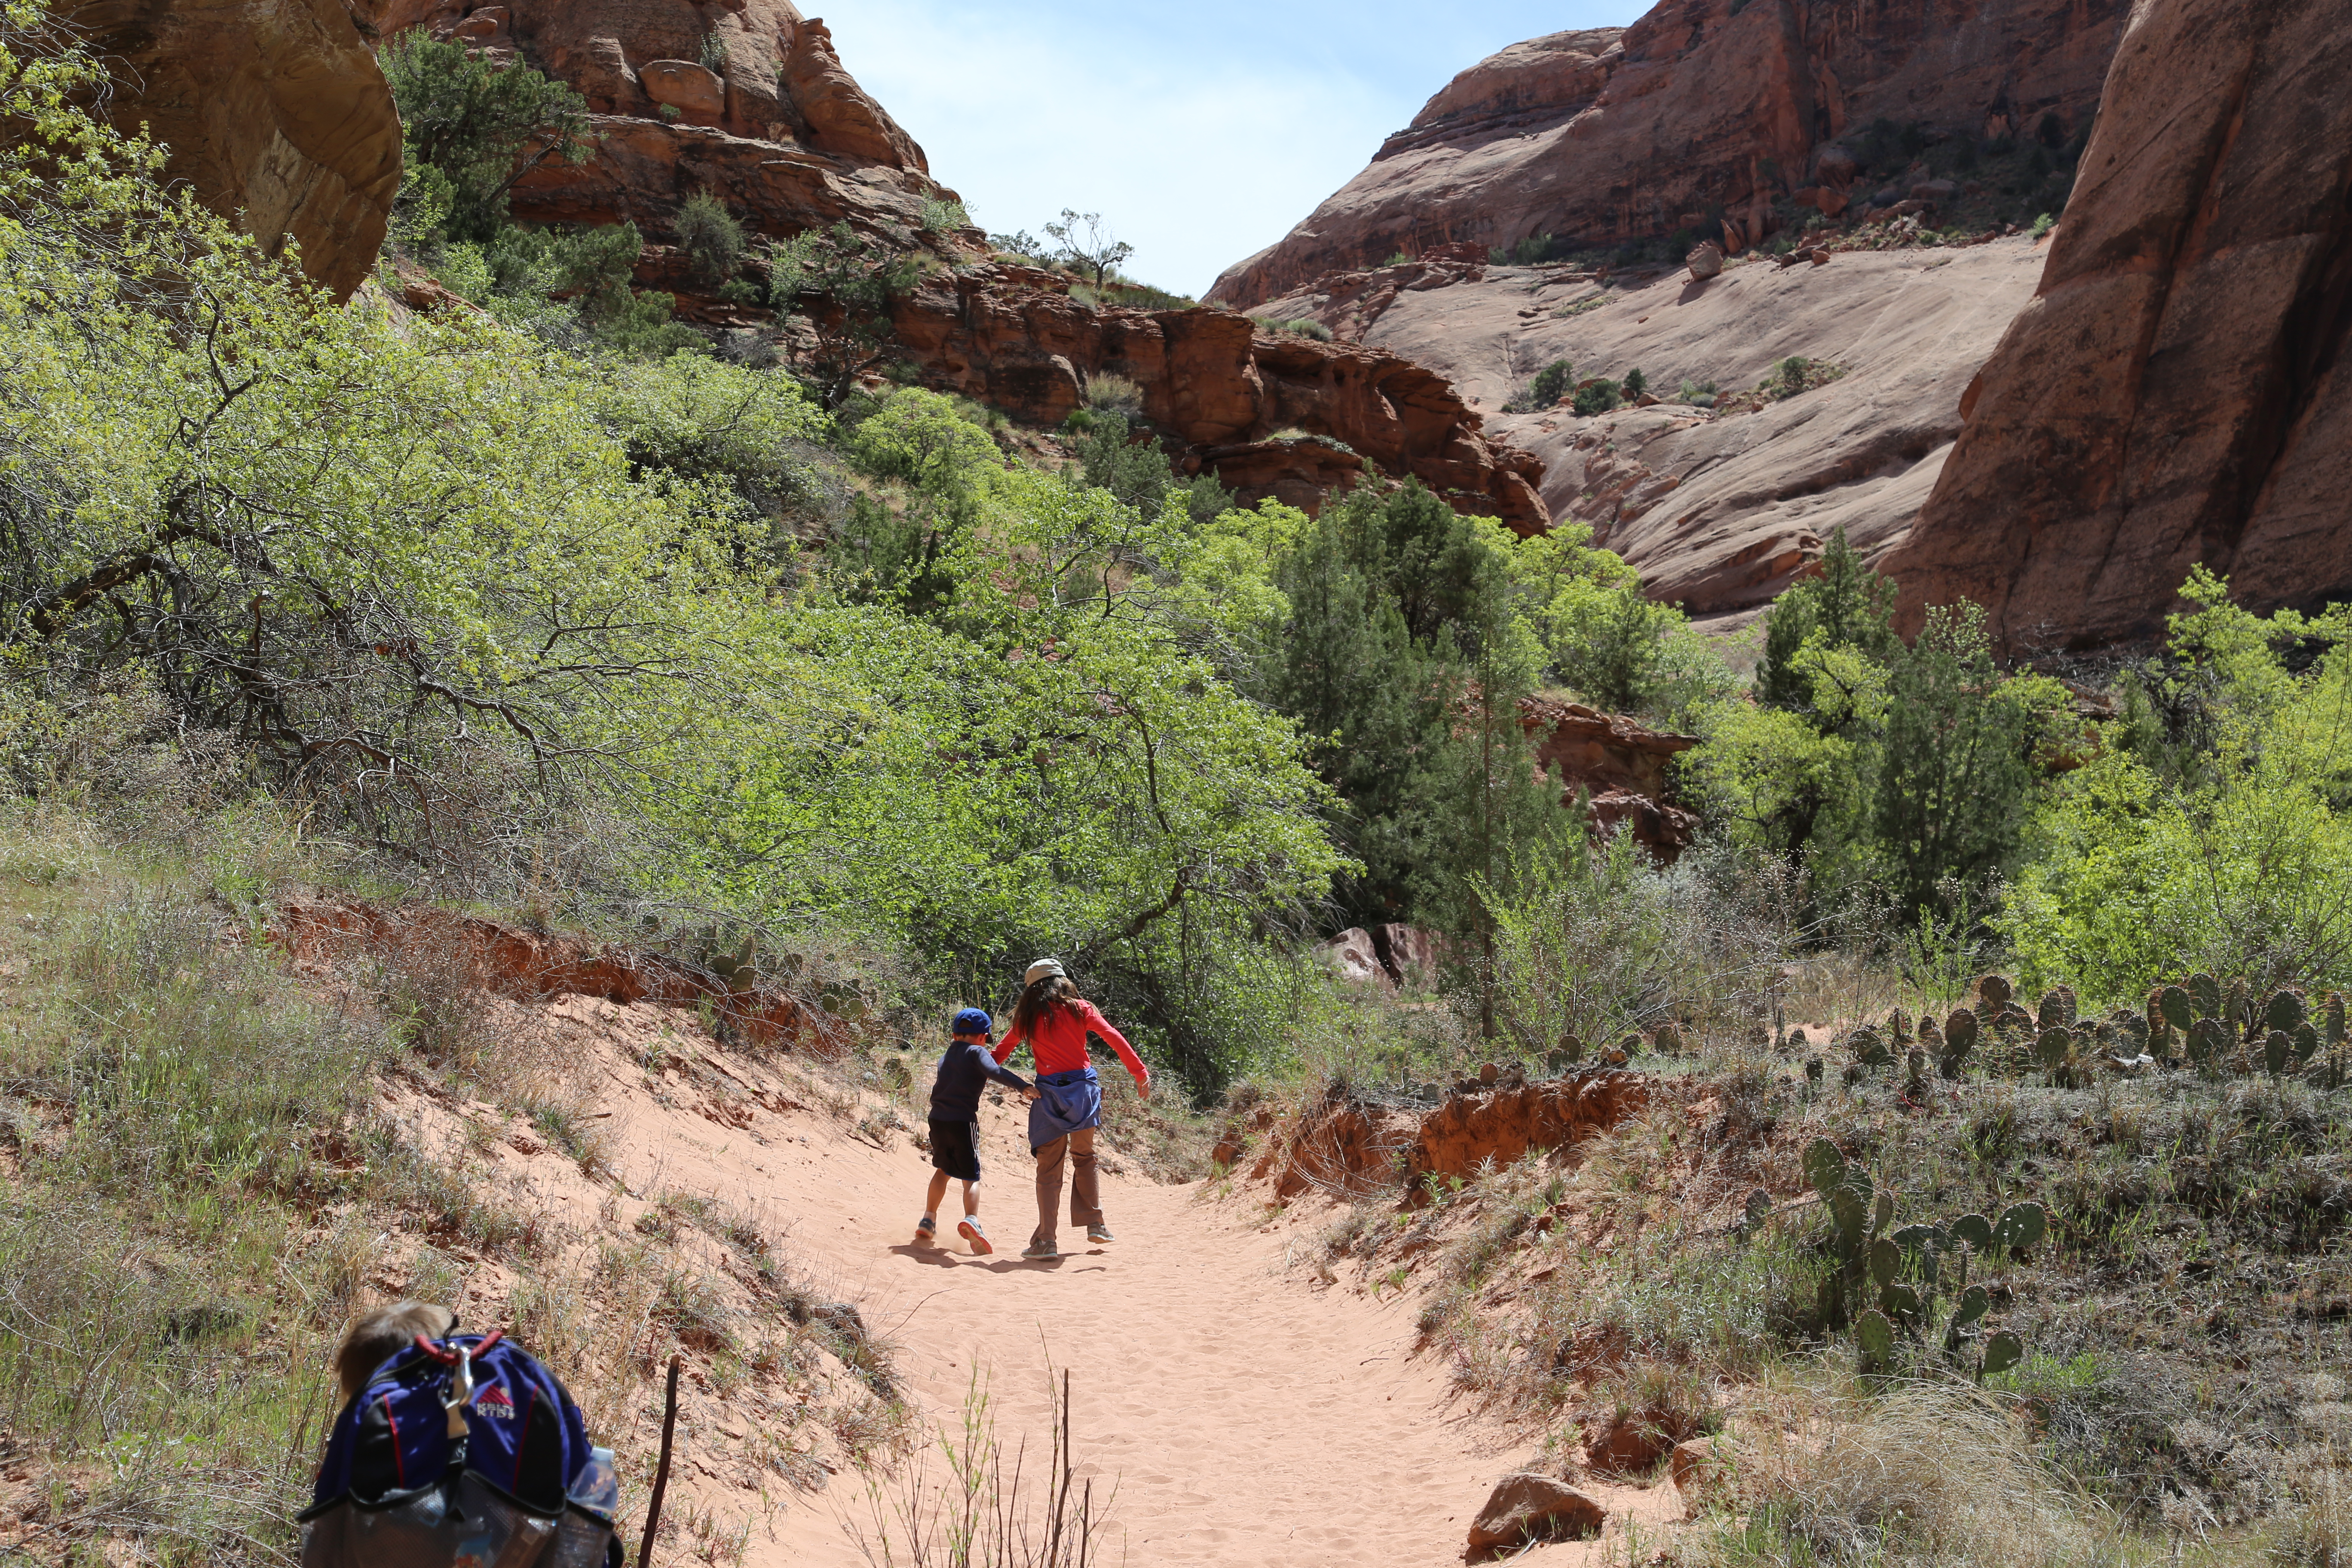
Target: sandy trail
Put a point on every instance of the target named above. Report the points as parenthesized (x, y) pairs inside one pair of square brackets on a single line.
[(1240, 1413), (1244, 1417)]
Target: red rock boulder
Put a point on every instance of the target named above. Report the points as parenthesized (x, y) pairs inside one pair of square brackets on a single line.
[(275, 114)]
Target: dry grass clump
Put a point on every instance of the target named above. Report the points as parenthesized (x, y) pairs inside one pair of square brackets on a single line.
[(1915, 1474)]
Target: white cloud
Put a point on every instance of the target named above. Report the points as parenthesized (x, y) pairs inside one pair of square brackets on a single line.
[(1200, 135)]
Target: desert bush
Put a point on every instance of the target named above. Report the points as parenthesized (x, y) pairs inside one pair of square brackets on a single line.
[(1596, 397), (1919, 1474), (1552, 380), (473, 129), (942, 216), (713, 238)]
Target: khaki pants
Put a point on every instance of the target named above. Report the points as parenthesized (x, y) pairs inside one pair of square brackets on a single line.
[(1085, 1196)]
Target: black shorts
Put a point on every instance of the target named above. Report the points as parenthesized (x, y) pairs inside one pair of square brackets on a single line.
[(954, 1150)]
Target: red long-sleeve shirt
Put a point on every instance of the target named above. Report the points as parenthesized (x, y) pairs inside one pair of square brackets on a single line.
[(1059, 1043)]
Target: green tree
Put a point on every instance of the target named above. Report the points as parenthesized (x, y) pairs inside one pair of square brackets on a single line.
[(1085, 242), (843, 285), (1844, 604), (1138, 472), (1953, 777), (1552, 380), (479, 128)]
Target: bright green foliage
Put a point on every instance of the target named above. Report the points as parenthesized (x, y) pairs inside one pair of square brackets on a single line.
[(1844, 604), (1045, 769), (473, 129), (2211, 830)]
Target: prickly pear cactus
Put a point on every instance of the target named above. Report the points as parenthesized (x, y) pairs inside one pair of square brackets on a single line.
[(1824, 1167), (2020, 1227), (1993, 992), (1959, 1040), (1869, 1048), (1874, 1339), (2205, 995), (2278, 1050), (2003, 1352)]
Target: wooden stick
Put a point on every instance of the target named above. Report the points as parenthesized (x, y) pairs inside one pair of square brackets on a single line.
[(661, 1471)]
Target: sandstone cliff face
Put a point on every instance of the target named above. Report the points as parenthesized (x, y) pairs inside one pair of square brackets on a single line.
[(273, 110), (2177, 393), (1719, 512), (1222, 386), (747, 100), (1699, 113)]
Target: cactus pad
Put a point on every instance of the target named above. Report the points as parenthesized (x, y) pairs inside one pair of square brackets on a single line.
[(2173, 1002), (1873, 1339), (2278, 1047), (2283, 1012), (1885, 1261), (2053, 1047), (1972, 1231), (2021, 1225), (1824, 1167), (2003, 1352), (1972, 1307), (1994, 991)]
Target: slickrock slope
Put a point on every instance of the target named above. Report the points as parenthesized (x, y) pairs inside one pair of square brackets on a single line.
[(1695, 116), (1220, 386), (2177, 393), (1719, 512), (749, 101), (274, 112)]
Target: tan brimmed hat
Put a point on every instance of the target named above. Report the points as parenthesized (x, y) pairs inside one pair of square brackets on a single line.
[(1043, 968)]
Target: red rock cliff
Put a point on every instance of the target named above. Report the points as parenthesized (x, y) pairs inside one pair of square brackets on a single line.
[(274, 112), (1701, 106), (746, 98), (1220, 386), (2178, 392)]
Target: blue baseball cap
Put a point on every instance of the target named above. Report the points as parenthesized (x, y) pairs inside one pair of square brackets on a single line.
[(972, 1021)]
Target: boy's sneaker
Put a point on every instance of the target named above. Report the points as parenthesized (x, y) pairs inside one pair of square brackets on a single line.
[(970, 1230), (927, 1232), (1041, 1251), (1100, 1233)]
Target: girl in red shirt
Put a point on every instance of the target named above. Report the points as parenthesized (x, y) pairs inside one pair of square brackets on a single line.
[(1054, 1021)]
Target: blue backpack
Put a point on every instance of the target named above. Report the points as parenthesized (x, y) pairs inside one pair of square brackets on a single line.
[(462, 1453)]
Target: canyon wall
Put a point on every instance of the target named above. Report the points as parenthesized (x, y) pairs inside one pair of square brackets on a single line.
[(274, 113), (1702, 112), (2176, 393)]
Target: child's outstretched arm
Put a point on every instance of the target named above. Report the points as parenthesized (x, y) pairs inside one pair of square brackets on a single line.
[(1101, 1029), (993, 1066)]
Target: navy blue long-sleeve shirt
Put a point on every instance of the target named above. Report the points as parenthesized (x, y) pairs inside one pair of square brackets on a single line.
[(964, 1070)]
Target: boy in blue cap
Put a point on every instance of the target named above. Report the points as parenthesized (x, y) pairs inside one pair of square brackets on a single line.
[(964, 1070)]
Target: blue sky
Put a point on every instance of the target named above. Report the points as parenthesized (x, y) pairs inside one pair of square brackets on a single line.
[(1200, 133)]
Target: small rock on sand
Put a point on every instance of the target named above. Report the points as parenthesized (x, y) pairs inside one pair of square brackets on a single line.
[(1528, 1504)]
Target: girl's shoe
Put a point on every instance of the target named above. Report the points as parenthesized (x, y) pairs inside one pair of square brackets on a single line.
[(1100, 1233), (1041, 1251), (970, 1230), (928, 1232)]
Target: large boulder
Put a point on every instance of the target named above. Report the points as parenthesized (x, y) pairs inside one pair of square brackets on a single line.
[(1702, 106), (274, 113), (1532, 1507), (2177, 393)]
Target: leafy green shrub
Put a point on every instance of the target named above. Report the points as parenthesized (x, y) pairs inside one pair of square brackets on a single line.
[(2044, 225), (942, 216), (1699, 394), (1635, 383), (713, 239), (1301, 326), (1597, 396), (1550, 382)]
